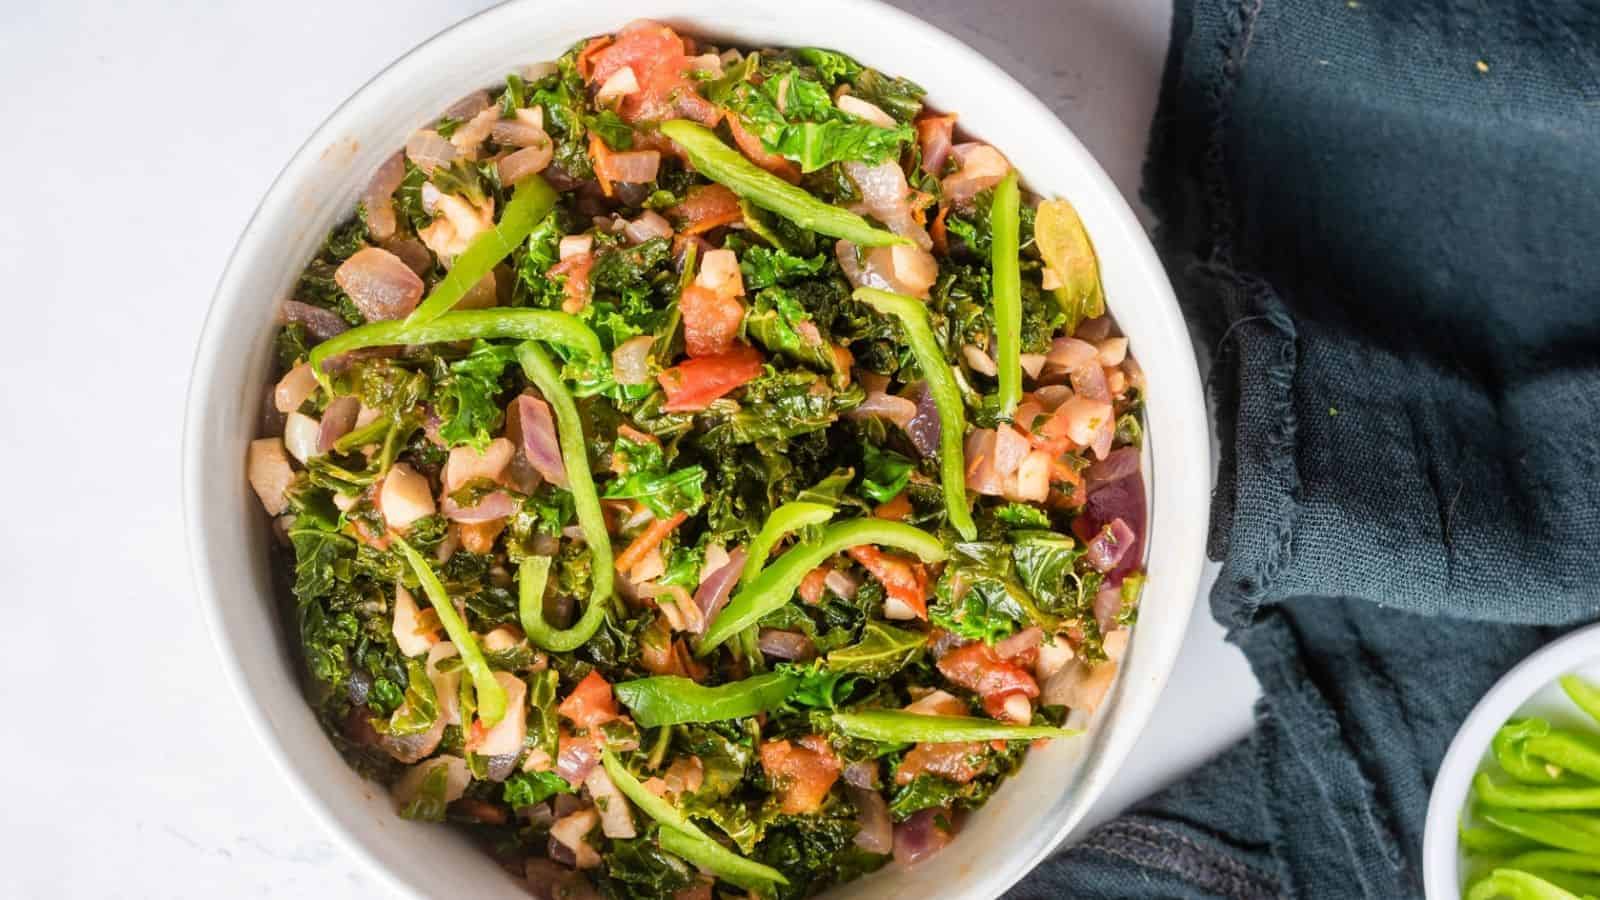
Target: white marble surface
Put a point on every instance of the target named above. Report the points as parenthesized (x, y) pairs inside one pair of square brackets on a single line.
[(140, 137)]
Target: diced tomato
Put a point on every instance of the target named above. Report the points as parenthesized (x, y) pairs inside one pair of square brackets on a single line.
[(660, 63), (995, 705), (815, 582), (590, 703), (804, 771), (896, 508), (575, 269), (750, 145), (939, 233), (585, 61), (902, 579), (959, 762), (706, 207), (935, 135), (979, 669), (693, 384), (479, 537), (710, 321)]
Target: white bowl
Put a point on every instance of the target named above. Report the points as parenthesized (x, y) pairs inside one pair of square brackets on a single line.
[(228, 534), (1530, 689)]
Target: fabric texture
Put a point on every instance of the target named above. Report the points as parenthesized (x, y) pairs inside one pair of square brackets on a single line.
[(1384, 221)]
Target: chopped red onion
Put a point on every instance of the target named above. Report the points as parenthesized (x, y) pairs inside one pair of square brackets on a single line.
[(468, 106), (649, 225), (790, 645), (380, 283), (576, 760), (1121, 499), (714, 591), (861, 774), (876, 834), (1122, 462), (1110, 545), (881, 405), (497, 505), (936, 135), (428, 150), (920, 837), (319, 323), (1017, 644), (514, 167), (843, 584), (378, 199), (337, 420), (532, 428), (886, 196), (923, 429)]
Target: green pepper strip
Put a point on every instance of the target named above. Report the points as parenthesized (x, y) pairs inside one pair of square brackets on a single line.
[(727, 167), (539, 368), (899, 727), (1005, 227), (776, 584), (683, 838), (1566, 831), (1518, 796), (1571, 751), (463, 325), (491, 696), (1488, 839), (1510, 747), (1554, 859), (786, 519), (529, 204), (1510, 883), (1586, 695), (913, 317), (674, 700)]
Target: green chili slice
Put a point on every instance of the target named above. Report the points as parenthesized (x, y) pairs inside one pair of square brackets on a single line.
[(1511, 750), (541, 370), (727, 167), (491, 696), (1568, 751), (896, 726), (1005, 227), (1488, 839), (786, 519), (1584, 694), (674, 700), (913, 316), (1554, 859), (1563, 830), (1517, 886), (777, 583), (683, 838), (464, 325), (529, 204), (1519, 796)]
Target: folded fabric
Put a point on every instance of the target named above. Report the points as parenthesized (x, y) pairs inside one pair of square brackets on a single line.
[(1384, 220)]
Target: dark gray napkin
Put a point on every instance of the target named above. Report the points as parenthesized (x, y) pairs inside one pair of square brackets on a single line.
[(1385, 220)]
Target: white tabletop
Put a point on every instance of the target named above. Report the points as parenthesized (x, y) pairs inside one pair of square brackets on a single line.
[(139, 139)]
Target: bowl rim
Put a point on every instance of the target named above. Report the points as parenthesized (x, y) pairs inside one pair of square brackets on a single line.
[(1182, 559), (1441, 853)]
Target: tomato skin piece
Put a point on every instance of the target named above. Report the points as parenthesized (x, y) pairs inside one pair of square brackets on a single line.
[(693, 384), (706, 207), (979, 669), (804, 771), (660, 65), (902, 579), (755, 151), (959, 762), (591, 702), (710, 321), (574, 270)]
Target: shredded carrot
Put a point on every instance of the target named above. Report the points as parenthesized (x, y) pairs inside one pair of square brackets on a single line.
[(896, 508), (648, 540), (585, 61), (598, 152), (941, 239)]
